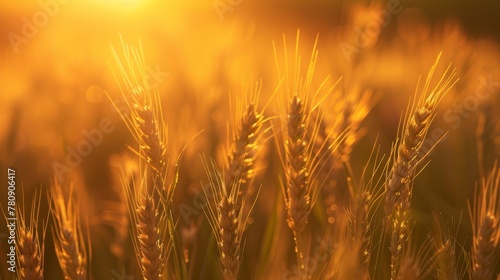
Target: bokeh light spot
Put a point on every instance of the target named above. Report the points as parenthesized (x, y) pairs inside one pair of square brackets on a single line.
[(94, 94)]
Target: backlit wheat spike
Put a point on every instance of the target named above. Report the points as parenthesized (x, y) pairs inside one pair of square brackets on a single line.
[(415, 127), (144, 117), (69, 240), (359, 223), (444, 253), (148, 235), (297, 105), (415, 265), (407, 156), (298, 190), (150, 204), (227, 221), (358, 213), (149, 228), (353, 111), (399, 236), (486, 226), (30, 248), (243, 150), (338, 132)]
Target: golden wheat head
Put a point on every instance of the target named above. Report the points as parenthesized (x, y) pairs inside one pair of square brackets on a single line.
[(69, 240), (486, 226), (227, 220), (405, 160), (30, 247), (241, 159)]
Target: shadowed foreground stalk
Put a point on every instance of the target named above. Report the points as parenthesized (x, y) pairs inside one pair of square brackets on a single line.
[(486, 227), (30, 248), (67, 231)]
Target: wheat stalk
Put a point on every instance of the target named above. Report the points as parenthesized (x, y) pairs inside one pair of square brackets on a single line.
[(145, 116), (67, 232), (240, 163), (243, 152), (342, 123), (148, 235), (30, 248), (226, 218), (149, 227), (415, 265), (486, 227), (149, 204), (444, 253), (359, 227), (399, 182), (415, 128), (298, 186), (399, 235), (353, 109), (298, 106), (30, 255), (226, 213), (363, 198)]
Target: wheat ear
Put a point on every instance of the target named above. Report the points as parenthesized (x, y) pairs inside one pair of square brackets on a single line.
[(409, 153), (298, 187), (444, 258), (353, 110), (148, 235), (149, 227), (145, 116), (414, 264), (67, 232), (226, 218), (30, 248), (409, 147), (240, 163), (342, 123), (150, 205), (296, 151), (358, 213), (486, 227)]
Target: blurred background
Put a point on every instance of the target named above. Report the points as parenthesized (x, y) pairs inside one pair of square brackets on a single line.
[(56, 65)]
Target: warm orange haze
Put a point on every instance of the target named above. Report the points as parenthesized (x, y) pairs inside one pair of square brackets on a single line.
[(238, 139)]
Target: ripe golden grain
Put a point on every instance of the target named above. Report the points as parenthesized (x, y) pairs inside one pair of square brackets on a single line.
[(69, 240)]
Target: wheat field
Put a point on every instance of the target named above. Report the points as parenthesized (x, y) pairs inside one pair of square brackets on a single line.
[(143, 139)]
